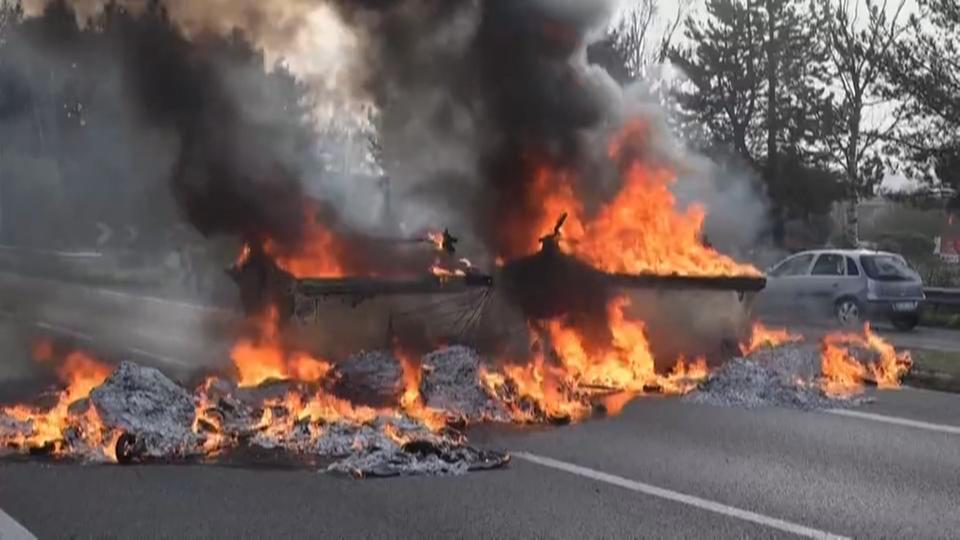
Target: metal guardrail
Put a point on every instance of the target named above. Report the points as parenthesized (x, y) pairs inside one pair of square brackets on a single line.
[(942, 296)]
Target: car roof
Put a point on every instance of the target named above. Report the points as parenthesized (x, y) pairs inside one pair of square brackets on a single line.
[(844, 252)]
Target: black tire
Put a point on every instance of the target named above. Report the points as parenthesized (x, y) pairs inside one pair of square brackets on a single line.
[(848, 312), (905, 322)]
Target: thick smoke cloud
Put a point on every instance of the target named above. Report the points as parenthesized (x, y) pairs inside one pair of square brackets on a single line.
[(476, 96), (231, 176)]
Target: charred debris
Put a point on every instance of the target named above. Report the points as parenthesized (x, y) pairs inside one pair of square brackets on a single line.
[(531, 281)]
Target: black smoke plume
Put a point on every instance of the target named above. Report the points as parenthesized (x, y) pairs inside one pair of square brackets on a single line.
[(230, 177), (506, 78)]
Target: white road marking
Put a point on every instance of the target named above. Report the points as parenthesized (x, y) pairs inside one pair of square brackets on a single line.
[(63, 330), (942, 428), (675, 496), (130, 296), (162, 359), (50, 327), (164, 301), (11, 530)]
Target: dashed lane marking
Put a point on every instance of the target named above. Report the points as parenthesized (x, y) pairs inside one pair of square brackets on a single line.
[(675, 496), (896, 420), (11, 530)]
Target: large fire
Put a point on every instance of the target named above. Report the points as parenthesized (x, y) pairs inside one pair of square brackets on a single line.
[(640, 230), (843, 374), (763, 337), (79, 373), (264, 357), (624, 366), (321, 253), (569, 370)]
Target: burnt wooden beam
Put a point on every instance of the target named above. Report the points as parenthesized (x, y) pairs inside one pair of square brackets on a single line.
[(375, 286), (678, 282)]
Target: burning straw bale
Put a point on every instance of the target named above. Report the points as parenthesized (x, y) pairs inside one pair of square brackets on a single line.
[(785, 376), (144, 403), (451, 383), (388, 445), (372, 378), (420, 458)]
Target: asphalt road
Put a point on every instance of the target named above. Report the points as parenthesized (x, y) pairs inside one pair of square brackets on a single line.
[(921, 337), (812, 472), (663, 468)]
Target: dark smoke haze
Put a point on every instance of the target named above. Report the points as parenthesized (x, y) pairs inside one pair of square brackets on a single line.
[(473, 97)]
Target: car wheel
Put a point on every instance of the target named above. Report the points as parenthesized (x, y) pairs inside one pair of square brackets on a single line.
[(847, 312), (905, 322)]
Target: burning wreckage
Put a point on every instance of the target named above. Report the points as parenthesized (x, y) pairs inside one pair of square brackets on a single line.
[(577, 342), (264, 283), (381, 413)]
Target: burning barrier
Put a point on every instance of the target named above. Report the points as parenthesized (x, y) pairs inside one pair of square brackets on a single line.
[(413, 424)]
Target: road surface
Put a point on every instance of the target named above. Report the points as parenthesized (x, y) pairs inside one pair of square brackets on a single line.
[(921, 337), (663, 468)]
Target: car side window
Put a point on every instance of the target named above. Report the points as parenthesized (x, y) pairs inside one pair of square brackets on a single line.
[(829, 264), (794, 266), (852, 269)]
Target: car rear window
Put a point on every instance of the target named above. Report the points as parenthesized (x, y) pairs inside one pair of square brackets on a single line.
[(886, 268)]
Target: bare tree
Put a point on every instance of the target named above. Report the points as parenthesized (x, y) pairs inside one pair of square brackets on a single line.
[(859, 35), (638, 38)]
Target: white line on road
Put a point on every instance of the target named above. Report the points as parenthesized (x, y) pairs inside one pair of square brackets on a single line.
[(11, 530), (50, 327), (164, 301), (64, 330), (676, 496), (162, 359), (942, 428)]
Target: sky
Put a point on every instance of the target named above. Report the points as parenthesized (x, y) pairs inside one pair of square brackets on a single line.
[(667, 10)]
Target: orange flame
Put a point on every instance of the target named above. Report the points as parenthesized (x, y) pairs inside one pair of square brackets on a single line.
[(243, 257), (535, 383), (206, 423), (843, 374), (42, 350), (685, 376), (761, 336), (625, 365), (442, 272), (80, 374), (321, 254), (435, 238), (641, 230), (411, 402), (266, 358)]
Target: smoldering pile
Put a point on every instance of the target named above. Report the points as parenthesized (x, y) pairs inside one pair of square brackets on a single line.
[(788, 375), (138, 415)]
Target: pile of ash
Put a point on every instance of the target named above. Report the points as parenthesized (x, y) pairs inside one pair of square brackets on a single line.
[(451, 382), (145, 404), (139, 415), (784, 376)]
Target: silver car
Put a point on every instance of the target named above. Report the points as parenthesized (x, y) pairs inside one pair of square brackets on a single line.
[(851, 285)]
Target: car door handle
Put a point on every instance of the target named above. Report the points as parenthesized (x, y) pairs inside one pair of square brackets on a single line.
[(835, 285)]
